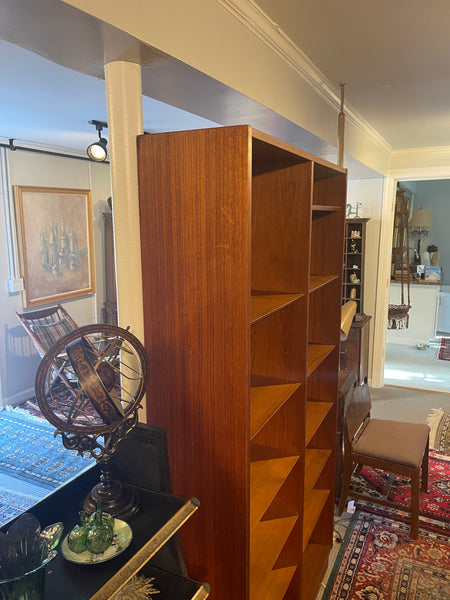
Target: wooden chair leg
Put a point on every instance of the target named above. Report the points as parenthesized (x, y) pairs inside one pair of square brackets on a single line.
[(425, 471), (415, 482), (358, 469), (346, 476)]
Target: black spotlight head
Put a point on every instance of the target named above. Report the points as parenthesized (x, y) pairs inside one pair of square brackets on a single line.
[(97, 151)]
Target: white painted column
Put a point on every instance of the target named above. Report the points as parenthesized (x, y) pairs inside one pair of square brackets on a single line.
[(124, 101)]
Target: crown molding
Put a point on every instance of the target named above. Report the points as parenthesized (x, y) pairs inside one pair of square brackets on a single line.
[(418, 163), (430, 151), (270, 33)]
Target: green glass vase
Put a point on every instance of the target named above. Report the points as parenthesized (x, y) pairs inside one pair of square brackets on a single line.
[(77, 537), (100, 535), (106, 518)]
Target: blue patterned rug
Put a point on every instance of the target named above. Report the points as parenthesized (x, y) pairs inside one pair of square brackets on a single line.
[(14, 503), (29, 451)]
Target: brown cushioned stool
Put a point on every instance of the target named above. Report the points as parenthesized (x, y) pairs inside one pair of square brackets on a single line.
[(392, 446)]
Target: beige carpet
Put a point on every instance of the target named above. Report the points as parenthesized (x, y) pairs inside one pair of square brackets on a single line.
[(403, 404)]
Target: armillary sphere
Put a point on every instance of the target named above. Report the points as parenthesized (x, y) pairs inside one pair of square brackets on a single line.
[(89, 385)]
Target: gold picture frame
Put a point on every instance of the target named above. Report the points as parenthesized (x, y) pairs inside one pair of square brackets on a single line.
[(55, 241)]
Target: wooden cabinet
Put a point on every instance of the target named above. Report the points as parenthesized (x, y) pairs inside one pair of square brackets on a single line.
[(347, 382), (242, 243), (355, 349), (354, 257)]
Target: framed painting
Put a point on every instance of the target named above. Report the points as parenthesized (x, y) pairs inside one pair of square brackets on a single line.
[(55, 240)]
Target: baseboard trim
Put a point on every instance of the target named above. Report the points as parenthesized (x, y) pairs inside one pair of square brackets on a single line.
[(15, 399)]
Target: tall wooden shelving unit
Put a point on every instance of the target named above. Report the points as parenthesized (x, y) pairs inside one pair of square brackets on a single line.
[(242, 245), (354, 262)]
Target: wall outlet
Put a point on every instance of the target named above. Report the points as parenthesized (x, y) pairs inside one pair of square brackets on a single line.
[(15, 285)]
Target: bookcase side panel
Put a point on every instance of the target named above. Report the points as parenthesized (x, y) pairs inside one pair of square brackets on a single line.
[(194, 197)]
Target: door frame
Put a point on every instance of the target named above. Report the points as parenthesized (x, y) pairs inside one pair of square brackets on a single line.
[(384, 257)]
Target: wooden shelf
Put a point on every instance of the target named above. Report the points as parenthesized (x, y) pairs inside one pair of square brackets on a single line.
[(317, 281), (316, 354), (315, 461), (315, 414), (276, 584), (354, 259), (314, 503), (266, 478), (266, 543), (317, 208), (265, 401), (314, 566), (263, 305)]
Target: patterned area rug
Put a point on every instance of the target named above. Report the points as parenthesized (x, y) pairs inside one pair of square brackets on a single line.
[(444, 350), (29, 451), (378, 561), (434, 505), (14, 503), (439, 422)]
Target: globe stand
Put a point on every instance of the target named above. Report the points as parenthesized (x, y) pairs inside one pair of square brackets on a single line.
[(89, 385), (117, 497)]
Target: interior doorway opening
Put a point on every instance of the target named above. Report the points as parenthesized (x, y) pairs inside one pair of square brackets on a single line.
[(415, 357)]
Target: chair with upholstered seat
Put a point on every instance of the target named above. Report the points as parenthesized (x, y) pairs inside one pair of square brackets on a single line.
[(392, 446)]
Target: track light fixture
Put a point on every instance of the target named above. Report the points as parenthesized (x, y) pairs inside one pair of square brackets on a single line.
[(97, 150)]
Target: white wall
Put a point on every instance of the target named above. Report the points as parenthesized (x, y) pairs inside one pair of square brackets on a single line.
[(370, 193), (18, 358), (435, 195), (422, 315)]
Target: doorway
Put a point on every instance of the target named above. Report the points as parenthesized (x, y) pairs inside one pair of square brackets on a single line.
[(404, 364)]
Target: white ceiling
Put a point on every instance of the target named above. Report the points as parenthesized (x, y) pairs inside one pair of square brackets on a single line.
[(394, 58)]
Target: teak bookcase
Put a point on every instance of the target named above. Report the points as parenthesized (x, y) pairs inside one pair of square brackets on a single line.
[(242, 246)]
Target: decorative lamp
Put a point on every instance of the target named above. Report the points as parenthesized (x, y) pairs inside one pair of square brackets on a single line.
[(420, 224)]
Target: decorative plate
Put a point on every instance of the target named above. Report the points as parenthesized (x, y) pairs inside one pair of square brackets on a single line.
[(122, 539)]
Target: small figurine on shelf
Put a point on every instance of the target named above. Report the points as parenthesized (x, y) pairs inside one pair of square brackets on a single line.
[(353, 293), (356, 234), (354, 247), (354, 278), (355, 212)]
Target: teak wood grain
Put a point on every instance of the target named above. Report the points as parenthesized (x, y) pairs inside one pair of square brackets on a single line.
[(242, 239)]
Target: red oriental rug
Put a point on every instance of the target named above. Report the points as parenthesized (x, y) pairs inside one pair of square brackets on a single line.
[(434, 505), (444, 350), (378, 561)]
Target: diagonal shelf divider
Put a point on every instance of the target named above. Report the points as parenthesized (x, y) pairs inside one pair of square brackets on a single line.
[(266, 478)]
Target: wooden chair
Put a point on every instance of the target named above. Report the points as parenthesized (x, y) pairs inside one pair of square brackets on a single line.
[(392, 446), (47, 326)]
